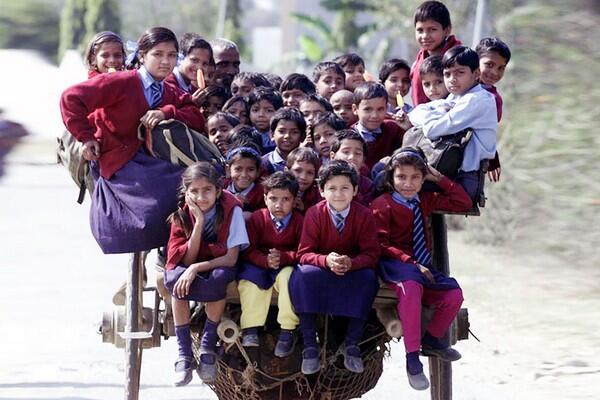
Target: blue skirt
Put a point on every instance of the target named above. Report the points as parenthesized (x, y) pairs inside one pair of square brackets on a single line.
[(129, 211), (262, 277), (208, 286), (394, 271), (320, 291)]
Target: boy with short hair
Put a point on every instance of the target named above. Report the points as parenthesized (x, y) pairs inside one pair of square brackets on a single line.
[(337, 254), (433, 34), (432, 78), (288, 130), (342, 101), (323, 131), (263, 102), (467, 106), (312, 106), (394, 75), (304, 163), (328, 77), (295, 88), (382, 136), (268, 262), (494, 56), (354, 69), (245, 82), (350, 146)]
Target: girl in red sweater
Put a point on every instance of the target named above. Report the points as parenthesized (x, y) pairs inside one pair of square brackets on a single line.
[(405, 264), (105, 53), (134, 192)]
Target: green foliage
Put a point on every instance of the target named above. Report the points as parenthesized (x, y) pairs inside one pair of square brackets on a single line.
[(101, 15), (233, 30), (72, 26), (31, 24)]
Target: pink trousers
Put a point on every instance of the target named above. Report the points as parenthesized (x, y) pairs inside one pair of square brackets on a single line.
[(411, 296)]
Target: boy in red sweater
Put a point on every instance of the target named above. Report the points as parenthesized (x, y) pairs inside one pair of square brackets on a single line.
[(337, 254), (432, 32), (268, 262), (382, 136)]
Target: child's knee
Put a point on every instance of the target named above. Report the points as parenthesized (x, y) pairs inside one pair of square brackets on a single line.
[(222, 276), (455, 297), (409, 289)]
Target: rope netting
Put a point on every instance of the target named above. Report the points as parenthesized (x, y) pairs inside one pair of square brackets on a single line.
[(256, 374)]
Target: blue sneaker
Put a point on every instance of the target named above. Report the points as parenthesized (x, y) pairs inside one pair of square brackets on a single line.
[(414, 371), (183, 371), (434, 347), (285, 344), (310, 361), (352, 359), (207, 370)]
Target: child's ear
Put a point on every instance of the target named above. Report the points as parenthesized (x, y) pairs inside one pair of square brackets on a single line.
[(355, 109), (448, 31), (355, 190), (331, 155), (227, 171), (477, 73)]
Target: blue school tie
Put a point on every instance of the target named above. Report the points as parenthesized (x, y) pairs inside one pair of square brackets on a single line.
[(155, 94), (278, 224), (339, 221), (421, 254), (208, 230)]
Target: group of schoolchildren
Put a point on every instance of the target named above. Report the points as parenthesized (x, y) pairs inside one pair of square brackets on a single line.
[(298, 211)]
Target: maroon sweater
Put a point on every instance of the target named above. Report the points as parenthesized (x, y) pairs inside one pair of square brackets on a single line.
[(358, 239), (254, 200), (395, 221), (263, 237), (389, 140), (118, 102), (310, 197)]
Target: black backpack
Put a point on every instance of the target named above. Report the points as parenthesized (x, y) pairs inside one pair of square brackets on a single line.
[(173, 141), (444, 154)]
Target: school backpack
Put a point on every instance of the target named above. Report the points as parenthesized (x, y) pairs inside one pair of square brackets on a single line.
[(69, 153), (444, 154), (173, 141)]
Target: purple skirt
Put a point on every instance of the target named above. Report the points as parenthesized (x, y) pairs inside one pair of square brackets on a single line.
[(129, 211), (320, 291), (208, 286), (394, 271), (262, 277)]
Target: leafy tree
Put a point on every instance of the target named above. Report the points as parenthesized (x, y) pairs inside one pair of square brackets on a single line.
[(101, 15), (72, 26)]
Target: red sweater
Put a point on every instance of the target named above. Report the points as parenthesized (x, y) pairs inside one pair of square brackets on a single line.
[(310, 197), (119, 102), (358, 239), (263, 237), (254, 200), (385, 144), (365, 191), (416, 88), (395, 221), (178, 242)]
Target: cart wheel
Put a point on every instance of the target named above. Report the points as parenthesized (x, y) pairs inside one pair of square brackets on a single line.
[(133, 346), (440, 372)]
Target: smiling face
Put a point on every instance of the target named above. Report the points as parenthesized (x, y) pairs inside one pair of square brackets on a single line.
[(287, 136), (408, 180), (293, 97), (492, 66), (339, 192), (354, 76), (329, 82), (203, 193), (371, 112), (260, 115), (218, 132), (397, 82), (431, 35), (195, 60), (434, 86), (279, 202), (243, 173), (305, 174), (109, 55), (160, 60), (459, 78)]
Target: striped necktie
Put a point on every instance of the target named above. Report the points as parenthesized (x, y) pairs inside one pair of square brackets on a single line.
[(421, 254), (208, 230), (278, 224), (339, 221), (155, 94)]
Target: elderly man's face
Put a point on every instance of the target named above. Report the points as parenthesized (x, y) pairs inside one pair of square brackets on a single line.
[(227, 65)]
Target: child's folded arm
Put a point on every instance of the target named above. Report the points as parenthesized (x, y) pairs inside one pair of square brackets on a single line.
[(453, 198), (287, 258), (309, 242), (177, 246), (186, 111), (468, 112), (418, 114)]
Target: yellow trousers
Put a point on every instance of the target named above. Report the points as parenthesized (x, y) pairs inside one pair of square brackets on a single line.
[(256, 301)]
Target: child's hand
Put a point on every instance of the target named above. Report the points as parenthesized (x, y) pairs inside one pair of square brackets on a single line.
[(200, 96), (494, 174), (425, 271), (433, 174), (195, 210), (152, 118), (182, 286), (298, 204), (337, 263), (91, 150), (274, 258), (401, 119), (308, 142)]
